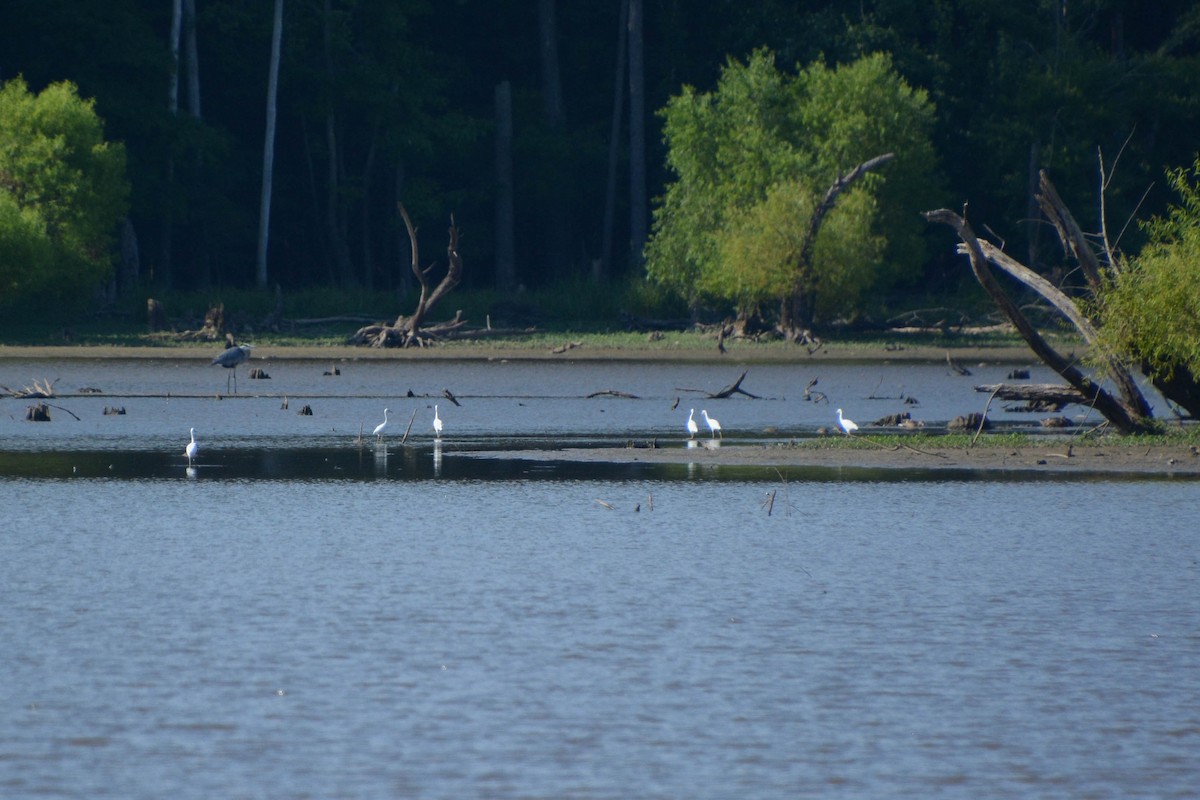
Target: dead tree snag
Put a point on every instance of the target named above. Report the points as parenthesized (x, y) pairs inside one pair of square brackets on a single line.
[(409, 330), (1129, 413)]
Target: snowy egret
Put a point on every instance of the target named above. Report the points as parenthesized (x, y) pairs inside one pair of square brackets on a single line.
[(379, 428), (691, 424), (192, 449), (714, 427), (437, 422), (847, 425), (230, 359)]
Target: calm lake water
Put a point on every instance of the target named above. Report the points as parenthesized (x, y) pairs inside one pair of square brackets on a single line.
[(301, 617)]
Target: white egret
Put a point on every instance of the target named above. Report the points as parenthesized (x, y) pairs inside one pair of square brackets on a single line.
[(437, 422), (192, 449), (379, 428), (230, 359), (714, 427), (691, 425), (849, 426)]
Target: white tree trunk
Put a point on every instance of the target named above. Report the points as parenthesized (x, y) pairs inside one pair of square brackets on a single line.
[(264, 220)]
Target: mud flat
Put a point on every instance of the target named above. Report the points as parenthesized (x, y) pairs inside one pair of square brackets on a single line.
[(1056, 457)]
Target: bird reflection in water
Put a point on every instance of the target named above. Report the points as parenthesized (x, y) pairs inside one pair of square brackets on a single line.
[(437, 458)]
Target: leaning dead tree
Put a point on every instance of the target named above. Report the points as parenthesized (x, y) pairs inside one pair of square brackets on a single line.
[(1127, 409), (410, 330), (797, 309)]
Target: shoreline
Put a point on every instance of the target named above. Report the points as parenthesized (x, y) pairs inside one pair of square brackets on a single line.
[(831, 353)]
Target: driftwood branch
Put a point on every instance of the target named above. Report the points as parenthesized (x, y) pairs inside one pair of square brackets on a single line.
[(612, 393), (1041, 393), (733, 388)]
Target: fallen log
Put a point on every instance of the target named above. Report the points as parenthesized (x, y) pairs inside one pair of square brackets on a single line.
[(613, 393), (1047, 396)]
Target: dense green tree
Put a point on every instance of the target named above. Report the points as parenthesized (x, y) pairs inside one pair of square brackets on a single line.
[(62, 192), (752, 161), (1151, 312)]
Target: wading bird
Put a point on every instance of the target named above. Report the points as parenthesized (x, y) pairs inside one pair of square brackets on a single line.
[(691, 424), (437, 422), (379, 428), (192, 449), (849, 426), (714, 427), (230, 359)]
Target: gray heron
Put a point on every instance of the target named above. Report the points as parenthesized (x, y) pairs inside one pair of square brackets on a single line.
[(230, 359), (714, 427), (849, 426), (692, 427), (192, 449)]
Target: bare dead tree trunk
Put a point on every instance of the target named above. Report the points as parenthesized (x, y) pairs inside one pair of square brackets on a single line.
[(368, 256), (639, 204), (1069, 231), (506, 260), (166, 270), (1126, 418), (335, 171), (796, 313), (410, 330), (556, 198), (610, 191)]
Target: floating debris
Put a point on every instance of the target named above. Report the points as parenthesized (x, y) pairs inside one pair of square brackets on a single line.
[(38, 390), (306, 411), (259, 374), (38, 413), (110, 411)]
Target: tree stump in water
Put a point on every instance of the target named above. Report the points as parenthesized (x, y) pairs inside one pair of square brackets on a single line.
[(972, 421)]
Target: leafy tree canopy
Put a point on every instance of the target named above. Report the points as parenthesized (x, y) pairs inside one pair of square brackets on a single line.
[(753, 158), (62, 192)]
